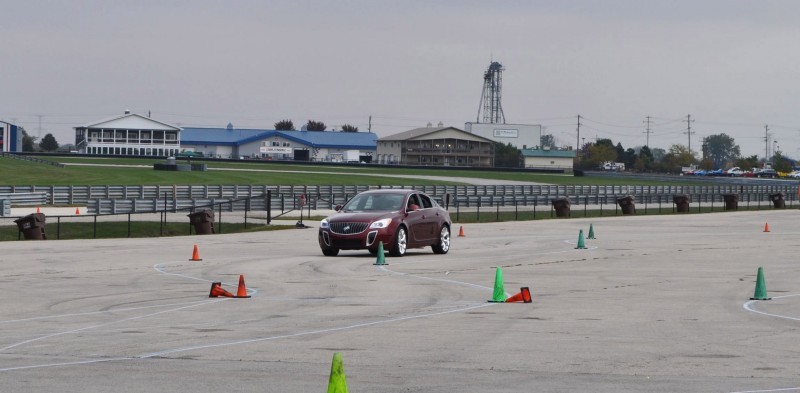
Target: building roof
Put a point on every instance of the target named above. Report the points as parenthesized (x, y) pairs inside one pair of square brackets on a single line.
[(426, 131), (131, 121), (319, 139), (548, 153)]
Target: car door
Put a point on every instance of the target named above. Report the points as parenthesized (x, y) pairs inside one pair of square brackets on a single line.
[(430, 220), (415, 220)]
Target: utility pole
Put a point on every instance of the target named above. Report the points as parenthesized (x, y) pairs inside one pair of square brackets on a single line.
[(578, 138), (766, 143), (369, 127), (648, 132), (40, 126), (689, 131)]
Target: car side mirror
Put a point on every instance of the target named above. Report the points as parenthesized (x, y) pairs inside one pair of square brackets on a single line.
[(338, 207)]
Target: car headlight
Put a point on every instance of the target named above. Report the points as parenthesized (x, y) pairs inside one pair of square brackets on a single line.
[(324, 224), (381, 223)]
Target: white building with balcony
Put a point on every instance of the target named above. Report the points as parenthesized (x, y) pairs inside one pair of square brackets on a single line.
[(436, 146), (128, 135)]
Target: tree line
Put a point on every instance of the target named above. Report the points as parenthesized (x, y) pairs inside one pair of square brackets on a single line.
[(311, 125), (718, 151), (48, 142)]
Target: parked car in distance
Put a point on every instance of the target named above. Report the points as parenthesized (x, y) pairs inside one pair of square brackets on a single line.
[(767, 173), (399, 218), (734, 172), (716, 172), (794, 175), (700, 172)]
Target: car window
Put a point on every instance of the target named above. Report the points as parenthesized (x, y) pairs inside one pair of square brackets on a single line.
[(412, 200), (375, 202), (426, 202), (387, 202)]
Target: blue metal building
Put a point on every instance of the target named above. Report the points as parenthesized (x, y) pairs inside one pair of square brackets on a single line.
[(327, 146), (10, 138)]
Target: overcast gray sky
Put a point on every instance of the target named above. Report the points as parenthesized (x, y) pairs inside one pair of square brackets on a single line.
[(732, 64)]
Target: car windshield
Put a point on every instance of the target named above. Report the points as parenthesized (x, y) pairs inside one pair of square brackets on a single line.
[(375, 202)]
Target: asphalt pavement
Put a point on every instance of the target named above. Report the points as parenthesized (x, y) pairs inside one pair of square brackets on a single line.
[(653, 304)]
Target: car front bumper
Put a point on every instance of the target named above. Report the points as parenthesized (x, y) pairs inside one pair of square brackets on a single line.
[(368, 239)]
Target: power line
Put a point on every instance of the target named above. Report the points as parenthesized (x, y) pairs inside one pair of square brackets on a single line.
[(610, 125)]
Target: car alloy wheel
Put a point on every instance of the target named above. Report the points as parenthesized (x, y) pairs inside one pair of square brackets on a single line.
[(444, 241), (400, 243)]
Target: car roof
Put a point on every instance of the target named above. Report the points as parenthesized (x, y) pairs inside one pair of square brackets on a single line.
[(404, 191)]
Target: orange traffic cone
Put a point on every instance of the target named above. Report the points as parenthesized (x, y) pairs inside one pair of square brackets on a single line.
[(524, 295), (766, 227), (77, 211), (461, 232), (217, 291), (242, 291), (195, 254)]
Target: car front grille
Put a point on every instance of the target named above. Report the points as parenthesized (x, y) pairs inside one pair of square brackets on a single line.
[(348, 228), (349, 244)]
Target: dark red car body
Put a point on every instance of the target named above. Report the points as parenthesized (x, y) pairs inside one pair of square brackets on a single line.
[(399, 219)]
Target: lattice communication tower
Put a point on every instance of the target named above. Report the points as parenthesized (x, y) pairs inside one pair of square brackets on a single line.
[(490, 97)]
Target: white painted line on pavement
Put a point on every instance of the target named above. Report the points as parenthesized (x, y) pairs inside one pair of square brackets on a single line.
[(749, 307)]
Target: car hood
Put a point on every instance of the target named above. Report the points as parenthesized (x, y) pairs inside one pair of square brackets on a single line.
[(360, 217)]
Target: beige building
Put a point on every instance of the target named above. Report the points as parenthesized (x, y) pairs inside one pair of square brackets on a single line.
[(436, 146), (549, 159)]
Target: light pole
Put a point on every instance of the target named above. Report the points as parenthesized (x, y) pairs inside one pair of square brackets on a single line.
[(774, 144)]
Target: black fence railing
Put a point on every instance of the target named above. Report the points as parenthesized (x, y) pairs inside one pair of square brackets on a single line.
[(481, 209), (70, 195), (237, 214), (172, 220)]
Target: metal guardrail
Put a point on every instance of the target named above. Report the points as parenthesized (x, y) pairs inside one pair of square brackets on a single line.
[(78, 223), (287, 202), (71, 195), (32, 159), (37, 198)]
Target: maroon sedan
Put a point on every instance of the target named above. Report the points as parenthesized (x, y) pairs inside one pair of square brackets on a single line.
[(401, 219)]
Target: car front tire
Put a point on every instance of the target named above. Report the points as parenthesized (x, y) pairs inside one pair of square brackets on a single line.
[(400, 243), (330, 252), (443, 246)]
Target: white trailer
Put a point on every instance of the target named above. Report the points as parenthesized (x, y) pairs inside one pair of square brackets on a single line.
[(352, 156)]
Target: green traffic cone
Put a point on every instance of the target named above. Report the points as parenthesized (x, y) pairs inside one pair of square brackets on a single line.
[(581, 244), (499, 295), (381, 258), (337, 382), (591, 232), (761, 287)]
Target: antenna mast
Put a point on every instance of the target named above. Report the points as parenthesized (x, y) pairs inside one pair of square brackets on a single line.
[(491, 95)]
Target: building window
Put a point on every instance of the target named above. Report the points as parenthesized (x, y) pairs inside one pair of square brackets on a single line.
[(276, 143)]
